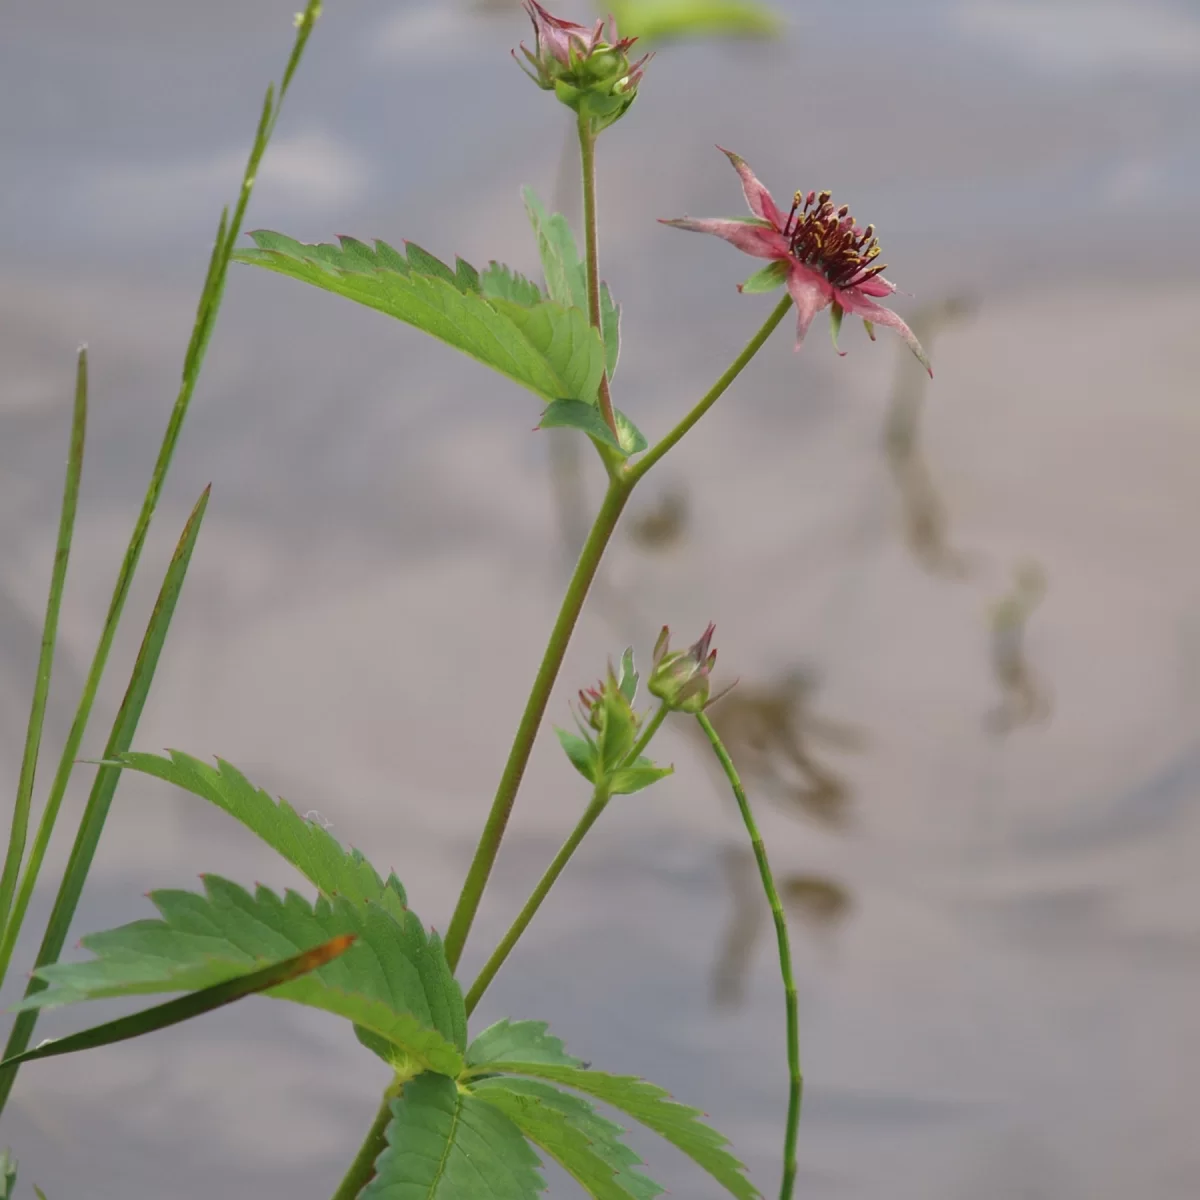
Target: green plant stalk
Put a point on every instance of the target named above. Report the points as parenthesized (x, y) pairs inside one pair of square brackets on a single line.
[(636, 470), (591, 234), (41, 687), (99, 800), (362, 1169), (591, 814), (796, 1087), (206, 315), (598, 538), (652, 727)]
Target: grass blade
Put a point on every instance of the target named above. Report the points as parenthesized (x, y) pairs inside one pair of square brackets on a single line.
[(41, 687), (228, 231), (194, 1004), (100, 799)]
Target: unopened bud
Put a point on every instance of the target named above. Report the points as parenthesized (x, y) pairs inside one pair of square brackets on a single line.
[(588, 69), (680, 679)]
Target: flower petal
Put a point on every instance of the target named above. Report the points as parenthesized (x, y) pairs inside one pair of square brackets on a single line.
[(757, 196), (853, 301), (811, 292), (761, 241)]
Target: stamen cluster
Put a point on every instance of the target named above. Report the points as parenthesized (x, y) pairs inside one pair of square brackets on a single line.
[(828, 240)]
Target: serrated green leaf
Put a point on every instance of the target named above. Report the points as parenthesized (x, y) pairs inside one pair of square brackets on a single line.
[(773, 275), (632, 439), (663, 20), (568, 1129), (499, 282), (311, 849), (194, 1004), (425, 263), (566, 275), (548, 348), (580, 751), (650, 1105), (610, 327), (574, 414), (568, 343), (446, 1144), (633, 779), (528, 1041), (394, 981), (629, 676)]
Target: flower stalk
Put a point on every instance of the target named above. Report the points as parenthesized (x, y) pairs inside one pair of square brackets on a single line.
[(795, 1078)]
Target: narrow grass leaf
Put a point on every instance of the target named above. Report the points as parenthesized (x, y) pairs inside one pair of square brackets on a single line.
[(207, 309), (45, 666), (196, 1004), (393, 981), (100, 798)]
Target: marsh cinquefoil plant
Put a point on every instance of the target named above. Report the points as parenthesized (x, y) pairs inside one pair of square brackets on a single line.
[(468, 1114)]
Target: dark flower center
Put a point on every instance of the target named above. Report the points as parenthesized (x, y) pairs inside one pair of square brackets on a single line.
[(827, 239)]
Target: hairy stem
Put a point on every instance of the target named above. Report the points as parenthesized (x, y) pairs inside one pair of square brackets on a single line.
[(535, 707), (539, 893), (587, 155), (657, 451), (796, 1089)]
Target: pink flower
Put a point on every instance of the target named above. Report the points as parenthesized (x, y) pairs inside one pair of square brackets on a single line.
[(818, 250)]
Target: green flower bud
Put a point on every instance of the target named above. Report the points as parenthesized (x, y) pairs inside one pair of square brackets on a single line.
[(680, 679)]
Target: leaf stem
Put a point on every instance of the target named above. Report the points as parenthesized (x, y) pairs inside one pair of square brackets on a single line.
[(518, 757), (587, 156), (638, 469), (590, 815), (362, 1169), (796, 1089)]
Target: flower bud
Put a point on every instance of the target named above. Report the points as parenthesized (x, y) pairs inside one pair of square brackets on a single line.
[(680, 678), (585, 71), (609, 711)]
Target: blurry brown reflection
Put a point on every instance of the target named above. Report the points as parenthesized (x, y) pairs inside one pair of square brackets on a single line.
[(926, 520), (1024, 698), (820, 902)]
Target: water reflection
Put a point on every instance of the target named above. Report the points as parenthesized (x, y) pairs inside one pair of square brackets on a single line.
[(926, 519), (775, 734), (1024, 698), (821, 903)]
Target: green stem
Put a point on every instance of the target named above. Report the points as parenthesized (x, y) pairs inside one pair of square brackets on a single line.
[(638, 469), (362, 1169), (553, 871), (506, 792), (796, 1089), (652, 727), (591, 232), (41, 687)]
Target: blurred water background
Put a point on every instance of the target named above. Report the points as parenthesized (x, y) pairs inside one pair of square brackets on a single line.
[(966, 618)]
